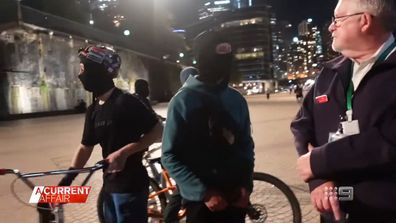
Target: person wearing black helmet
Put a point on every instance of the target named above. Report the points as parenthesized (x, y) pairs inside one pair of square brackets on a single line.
[(207, 145), (124, 128)]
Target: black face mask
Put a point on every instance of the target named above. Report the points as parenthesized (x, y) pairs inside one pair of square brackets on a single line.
[(96, 81), (215, 70)]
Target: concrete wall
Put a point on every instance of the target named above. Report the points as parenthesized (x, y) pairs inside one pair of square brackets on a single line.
[(38, 73)]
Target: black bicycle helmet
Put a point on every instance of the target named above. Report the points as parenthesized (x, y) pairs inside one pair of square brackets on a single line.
[(102, 55)]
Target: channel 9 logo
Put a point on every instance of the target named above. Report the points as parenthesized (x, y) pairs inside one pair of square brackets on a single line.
[(342, 193)]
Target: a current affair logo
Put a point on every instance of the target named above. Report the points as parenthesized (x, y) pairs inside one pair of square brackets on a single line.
[(59, 194)]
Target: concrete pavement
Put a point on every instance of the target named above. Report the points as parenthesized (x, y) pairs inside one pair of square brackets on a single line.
[(48, 143)]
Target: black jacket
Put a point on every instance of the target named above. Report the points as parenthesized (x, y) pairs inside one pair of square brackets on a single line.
[(366, 161)]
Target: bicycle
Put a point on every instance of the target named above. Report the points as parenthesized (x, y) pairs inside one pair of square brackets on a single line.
[(271, 200), (52, 213), (158, 195)]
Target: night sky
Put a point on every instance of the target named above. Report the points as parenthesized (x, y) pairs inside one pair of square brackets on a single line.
[(292, 10), (296, 10)]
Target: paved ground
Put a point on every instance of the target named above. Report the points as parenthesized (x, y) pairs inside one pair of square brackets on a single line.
[(48, 143)]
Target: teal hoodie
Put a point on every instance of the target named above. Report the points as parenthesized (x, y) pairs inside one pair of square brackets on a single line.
[(184, 140)]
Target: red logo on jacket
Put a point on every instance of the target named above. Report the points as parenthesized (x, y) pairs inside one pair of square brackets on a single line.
[(321, 99)]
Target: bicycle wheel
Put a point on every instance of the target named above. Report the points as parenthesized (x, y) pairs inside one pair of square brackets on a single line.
[(156, 204), (99, 206), (272, 201)]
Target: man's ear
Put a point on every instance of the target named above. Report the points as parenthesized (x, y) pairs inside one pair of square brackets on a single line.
[(366, 22)]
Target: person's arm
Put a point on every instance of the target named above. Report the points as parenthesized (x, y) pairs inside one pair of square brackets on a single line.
[(303, 132), (248, 147), (368, 154), (118, 158), (247, 154), (302, 129), (79, 160), (302, 125), (84, 150), (144, 142), (132, 111), (82, 155), (172, 143)]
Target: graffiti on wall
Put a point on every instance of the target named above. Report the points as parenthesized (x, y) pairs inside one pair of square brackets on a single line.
[(44, 70)]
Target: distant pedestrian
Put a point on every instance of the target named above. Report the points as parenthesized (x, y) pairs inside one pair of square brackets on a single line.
[(299, 93)]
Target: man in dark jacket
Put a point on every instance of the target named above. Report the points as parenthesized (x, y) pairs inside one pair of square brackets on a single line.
[(345, 131), (215, 183)]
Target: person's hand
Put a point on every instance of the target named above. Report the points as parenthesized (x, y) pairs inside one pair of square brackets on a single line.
[(215, 201), (243, 200), (304, 165), (116, 161), (67, 180), (323, 201)]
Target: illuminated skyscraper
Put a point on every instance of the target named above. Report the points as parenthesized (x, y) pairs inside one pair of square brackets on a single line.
[(281, 40), (306, 52), (249, 28), (213, 7)]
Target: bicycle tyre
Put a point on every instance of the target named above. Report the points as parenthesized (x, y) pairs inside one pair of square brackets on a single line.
[(272, 201), (159, 200), (99, 206)]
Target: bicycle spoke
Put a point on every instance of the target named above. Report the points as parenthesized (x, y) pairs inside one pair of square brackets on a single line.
[(269, 204)]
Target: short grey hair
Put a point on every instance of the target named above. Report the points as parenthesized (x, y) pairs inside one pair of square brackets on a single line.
[(384, 10)]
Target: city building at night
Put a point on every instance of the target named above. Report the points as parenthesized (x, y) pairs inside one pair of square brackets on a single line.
[(249, 26), (281, 41), (306, 52), (214, 7)]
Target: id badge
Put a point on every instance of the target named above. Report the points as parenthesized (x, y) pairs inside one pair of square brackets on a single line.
[(350, 127), (334, 136)]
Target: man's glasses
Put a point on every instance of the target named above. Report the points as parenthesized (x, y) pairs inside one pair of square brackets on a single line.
[(336, 21)]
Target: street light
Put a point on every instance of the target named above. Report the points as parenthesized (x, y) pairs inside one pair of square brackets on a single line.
[(91, 21), (181, 55), (127, 32)]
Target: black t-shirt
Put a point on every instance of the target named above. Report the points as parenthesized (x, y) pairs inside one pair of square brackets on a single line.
[(121, 120)]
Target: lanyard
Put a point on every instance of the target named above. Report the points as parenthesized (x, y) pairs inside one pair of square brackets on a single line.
[(380, 59)]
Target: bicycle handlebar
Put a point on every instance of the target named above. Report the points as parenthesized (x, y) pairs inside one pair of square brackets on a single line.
[(57, 211), (99, 165)]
